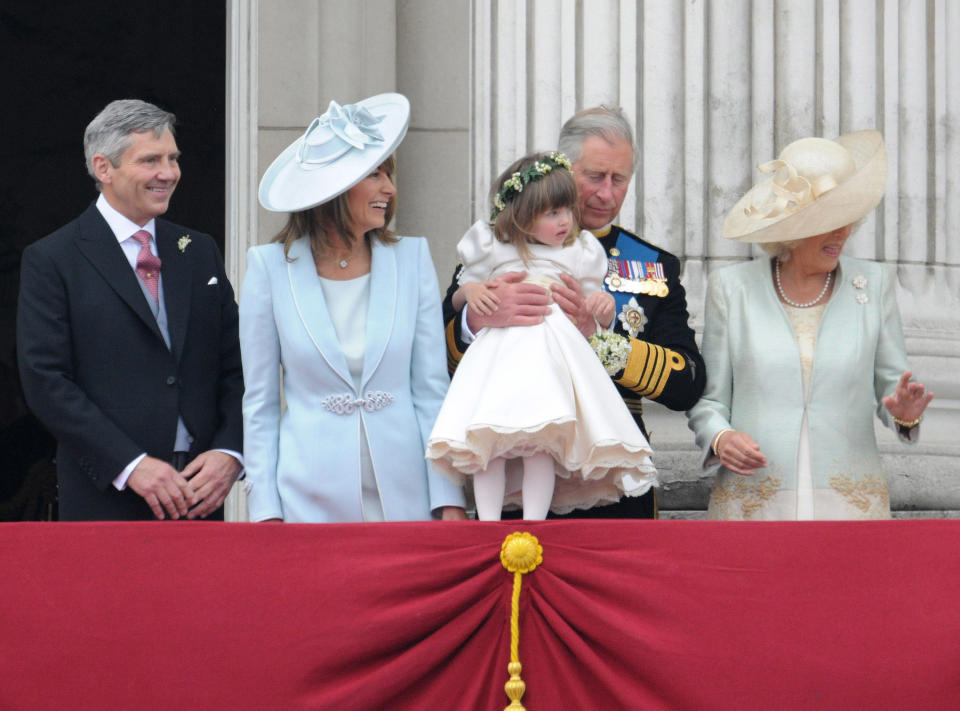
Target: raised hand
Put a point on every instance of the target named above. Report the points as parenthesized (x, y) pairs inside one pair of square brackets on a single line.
[(909, 400)]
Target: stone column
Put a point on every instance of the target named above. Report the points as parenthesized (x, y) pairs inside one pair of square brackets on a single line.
[(717, 87)]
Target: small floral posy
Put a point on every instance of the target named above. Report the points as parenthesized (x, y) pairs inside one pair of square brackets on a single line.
[(183, 242), (513, 185), (612, 349)]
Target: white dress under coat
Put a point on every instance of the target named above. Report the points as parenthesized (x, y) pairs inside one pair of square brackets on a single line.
[(302, 448)]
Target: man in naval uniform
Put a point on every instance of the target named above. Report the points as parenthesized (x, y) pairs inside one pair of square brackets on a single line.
[(664, 362)]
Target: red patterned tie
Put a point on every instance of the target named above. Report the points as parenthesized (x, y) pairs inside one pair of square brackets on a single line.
[(148, 265)]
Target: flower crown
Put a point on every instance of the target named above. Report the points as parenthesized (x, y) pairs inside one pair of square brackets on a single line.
[(513, 185)]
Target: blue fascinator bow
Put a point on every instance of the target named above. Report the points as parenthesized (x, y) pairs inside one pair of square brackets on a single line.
[(336, 132)]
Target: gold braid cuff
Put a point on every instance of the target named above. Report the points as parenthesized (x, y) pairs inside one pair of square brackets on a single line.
[(520, 553), (453, 353), (649, 367)]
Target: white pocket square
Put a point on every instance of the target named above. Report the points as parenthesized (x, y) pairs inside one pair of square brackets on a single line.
[(213, 280)]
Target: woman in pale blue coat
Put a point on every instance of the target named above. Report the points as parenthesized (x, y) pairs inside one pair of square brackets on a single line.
[(341, 335), (803, 348)]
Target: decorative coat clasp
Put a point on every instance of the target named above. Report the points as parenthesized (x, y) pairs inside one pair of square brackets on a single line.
[(348, 404)]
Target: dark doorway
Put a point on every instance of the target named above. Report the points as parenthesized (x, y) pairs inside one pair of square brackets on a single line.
[(63, 61)]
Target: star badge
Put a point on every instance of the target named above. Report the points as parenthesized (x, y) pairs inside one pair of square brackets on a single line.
[(632, 317)]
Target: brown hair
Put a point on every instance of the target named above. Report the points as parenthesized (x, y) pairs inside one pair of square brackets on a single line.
[(514, 224), (333, 217)]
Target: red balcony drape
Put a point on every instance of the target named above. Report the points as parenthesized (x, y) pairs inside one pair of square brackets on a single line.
[(620, 615)]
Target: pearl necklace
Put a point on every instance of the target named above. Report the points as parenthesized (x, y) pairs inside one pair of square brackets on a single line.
[(826, 285)]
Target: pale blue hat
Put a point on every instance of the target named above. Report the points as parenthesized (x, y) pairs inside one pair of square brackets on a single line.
[(337, 151)]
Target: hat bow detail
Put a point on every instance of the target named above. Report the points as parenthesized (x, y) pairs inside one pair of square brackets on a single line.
[(339, 130)]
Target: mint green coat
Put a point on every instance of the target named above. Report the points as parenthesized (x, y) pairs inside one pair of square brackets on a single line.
[(755, 385)]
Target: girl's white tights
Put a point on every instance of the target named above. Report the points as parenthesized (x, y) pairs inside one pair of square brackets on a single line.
[(538, 483), (488, 489)]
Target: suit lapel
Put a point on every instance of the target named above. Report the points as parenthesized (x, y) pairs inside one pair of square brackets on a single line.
[(99, 245), (381, 311), (311, 306), (175, 272)]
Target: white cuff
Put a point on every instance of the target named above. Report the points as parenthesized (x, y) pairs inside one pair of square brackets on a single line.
[(120, 483), (466, 335)]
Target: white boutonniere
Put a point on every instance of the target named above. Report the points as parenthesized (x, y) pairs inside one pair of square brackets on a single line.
[(183, 242)]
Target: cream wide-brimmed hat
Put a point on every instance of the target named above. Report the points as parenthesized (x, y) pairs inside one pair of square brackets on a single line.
[(337, 151), (818, 185)]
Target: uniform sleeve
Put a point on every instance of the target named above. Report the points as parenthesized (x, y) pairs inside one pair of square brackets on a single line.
[(260, 350), (665, 365), (711, 413), (428, 380)]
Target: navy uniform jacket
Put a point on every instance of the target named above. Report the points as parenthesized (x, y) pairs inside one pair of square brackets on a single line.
[(664, 365)]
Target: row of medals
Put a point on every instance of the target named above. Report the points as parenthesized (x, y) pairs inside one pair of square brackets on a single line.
[(647, 285)]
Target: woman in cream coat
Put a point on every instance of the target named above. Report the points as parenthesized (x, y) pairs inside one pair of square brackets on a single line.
[(803, 348), (341, 336)]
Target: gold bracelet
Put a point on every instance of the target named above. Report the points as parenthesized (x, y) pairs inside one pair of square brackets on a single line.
[(713, 445), (907, 425)]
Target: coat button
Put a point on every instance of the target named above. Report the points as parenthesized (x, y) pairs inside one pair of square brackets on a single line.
[(171, 380)]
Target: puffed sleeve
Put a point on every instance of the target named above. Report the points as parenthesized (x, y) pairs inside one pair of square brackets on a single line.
[(593, 264), (476, 252), (260, 352), (711, 413)]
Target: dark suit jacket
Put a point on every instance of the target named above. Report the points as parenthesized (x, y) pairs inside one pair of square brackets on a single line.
[(96, 370)]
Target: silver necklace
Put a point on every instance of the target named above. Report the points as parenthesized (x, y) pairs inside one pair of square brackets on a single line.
[(826, 285)]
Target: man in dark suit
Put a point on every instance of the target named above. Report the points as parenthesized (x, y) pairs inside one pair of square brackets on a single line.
[(127, 338), (664, 363)]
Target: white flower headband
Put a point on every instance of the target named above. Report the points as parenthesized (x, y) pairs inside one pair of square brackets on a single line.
[(513, 185)]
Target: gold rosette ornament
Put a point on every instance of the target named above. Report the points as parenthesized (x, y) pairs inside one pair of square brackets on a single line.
[(520, 553)]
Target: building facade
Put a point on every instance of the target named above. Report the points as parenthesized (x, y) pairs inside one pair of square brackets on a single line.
[(714, 87)]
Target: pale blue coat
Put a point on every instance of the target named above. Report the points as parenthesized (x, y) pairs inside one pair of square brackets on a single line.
[(755, 384), (302, 457)]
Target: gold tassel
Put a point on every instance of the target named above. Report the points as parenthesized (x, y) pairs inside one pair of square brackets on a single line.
[(520, 553)]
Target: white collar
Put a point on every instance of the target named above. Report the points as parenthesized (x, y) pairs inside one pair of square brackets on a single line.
[(122, 226)]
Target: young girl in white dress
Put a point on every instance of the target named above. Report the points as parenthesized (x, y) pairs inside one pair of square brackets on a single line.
[(537, 394)]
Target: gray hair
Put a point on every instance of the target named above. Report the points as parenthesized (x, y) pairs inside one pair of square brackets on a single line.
[(608, 122), (780, 250), (109, 132)]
